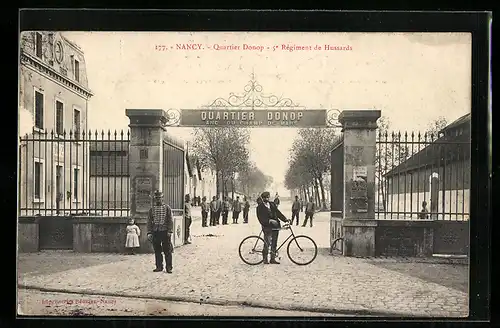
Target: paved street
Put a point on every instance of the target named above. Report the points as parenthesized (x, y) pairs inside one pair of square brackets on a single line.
[(210, 272)]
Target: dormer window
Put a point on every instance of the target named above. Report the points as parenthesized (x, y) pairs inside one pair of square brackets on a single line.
[(38, 45), (77, 70)]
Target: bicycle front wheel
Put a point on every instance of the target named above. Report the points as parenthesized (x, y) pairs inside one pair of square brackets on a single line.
[(302, 250), (251, 249)]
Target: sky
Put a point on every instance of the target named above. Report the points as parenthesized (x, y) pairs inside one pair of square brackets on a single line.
[(412, 78)]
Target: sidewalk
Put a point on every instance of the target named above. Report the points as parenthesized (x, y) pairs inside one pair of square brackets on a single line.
[(210, 271)]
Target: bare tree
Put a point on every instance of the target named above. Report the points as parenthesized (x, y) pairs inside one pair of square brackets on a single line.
[(252, 180), (311, 152), (224, 150)]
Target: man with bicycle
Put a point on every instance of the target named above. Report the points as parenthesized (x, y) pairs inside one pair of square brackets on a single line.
[(268, 215)]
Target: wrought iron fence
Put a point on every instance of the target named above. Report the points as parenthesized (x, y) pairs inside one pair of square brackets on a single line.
[(74, 173), (423, 176)]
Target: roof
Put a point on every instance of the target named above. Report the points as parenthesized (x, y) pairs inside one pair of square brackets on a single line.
[(448, 148), (458, 122)]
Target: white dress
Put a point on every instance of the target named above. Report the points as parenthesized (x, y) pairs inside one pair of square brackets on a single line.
[(133, 233)]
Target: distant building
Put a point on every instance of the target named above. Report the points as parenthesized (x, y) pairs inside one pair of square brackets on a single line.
[(438, 174), (53, 88)]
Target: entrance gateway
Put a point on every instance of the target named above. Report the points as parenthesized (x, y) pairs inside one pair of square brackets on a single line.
[(354, 209), (252, 109)]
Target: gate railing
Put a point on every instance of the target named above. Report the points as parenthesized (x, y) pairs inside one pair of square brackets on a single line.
[(414, 168), (74, 173)]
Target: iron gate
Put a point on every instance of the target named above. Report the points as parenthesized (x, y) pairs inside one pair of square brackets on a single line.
[(174, 183), (337, 190)]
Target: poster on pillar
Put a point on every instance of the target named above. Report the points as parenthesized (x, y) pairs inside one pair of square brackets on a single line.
[(327, 132), (359, 190)]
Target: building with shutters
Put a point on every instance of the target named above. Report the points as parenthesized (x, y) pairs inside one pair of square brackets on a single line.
[(53, 89)]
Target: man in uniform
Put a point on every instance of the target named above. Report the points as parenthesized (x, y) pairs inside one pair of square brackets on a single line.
[(187, 219), (236, 209), (268, 215), (225, 210), (246, 209), (214, 209), (204, 211), (310, 210), (160, 227), (296, 206)]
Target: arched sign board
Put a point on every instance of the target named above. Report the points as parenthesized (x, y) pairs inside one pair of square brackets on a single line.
[(253, 118)]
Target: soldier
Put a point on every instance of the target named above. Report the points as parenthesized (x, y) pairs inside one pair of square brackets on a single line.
[(277, 200), (268, 215), (160, 228), (310, 209), (219, 211), (225, 210), (187, 219), (296, 206), (236, 209), (214, 209), (204, 211), (246, 209)]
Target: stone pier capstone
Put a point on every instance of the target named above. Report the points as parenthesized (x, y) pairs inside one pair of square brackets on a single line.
[(359, 127)]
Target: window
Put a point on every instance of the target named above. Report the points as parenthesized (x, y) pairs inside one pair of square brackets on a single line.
[(76, 123), (59, 117), (76, 186), (38, 109), (38, 181), (77, 70), (38, 45)]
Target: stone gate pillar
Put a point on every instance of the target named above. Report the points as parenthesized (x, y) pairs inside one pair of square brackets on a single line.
[(359, 127), (145, 163)]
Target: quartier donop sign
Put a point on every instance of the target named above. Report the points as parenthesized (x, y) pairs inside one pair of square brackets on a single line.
[(253, 118)]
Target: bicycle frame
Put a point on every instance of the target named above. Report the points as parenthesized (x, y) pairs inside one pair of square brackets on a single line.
[(291, 235)]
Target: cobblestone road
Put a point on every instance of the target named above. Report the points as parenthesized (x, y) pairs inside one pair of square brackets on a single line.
[(210, 271)]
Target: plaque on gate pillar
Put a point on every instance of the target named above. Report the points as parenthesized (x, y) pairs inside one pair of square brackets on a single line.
[(359, 190), (143, 192)]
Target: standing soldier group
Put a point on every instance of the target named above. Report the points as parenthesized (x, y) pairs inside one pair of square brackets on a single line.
[(217, 208)]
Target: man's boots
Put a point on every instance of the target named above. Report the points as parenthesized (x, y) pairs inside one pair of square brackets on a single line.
[(273, 259)]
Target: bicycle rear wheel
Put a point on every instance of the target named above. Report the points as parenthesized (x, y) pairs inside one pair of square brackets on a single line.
[(302, 250), (337, 246), (251, 249)]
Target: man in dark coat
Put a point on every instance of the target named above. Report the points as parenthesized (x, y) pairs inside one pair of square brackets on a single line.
[(246, 208), (236, 209), (160, 228), (268, 215)]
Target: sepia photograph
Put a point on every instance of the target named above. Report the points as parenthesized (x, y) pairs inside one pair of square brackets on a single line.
[(295, 174)]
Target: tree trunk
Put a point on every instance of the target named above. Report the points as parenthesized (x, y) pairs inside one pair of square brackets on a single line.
[(316, 192), (323, 200), (232, 188), (308, 193)]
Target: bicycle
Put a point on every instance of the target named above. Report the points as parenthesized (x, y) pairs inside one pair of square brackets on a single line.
[(337, 246), (303, 244)]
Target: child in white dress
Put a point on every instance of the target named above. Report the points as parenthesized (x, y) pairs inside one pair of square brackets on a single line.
[(133, 233)]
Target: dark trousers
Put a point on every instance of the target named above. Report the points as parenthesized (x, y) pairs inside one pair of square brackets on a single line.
[(213, 217), (187, 228), (224, 217), (271, 239), (236, 216), (245, 216), (308, 216), (295, 214), (204, 216), (162, 243), (217, 218)]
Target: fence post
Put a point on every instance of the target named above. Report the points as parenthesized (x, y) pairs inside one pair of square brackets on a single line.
[(359, 127), (145, 163)]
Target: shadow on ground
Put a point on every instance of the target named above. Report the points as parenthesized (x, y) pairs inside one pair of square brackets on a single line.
[(40, 263)]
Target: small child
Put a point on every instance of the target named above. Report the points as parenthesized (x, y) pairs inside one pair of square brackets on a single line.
[(424, 214), (133, 233)]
